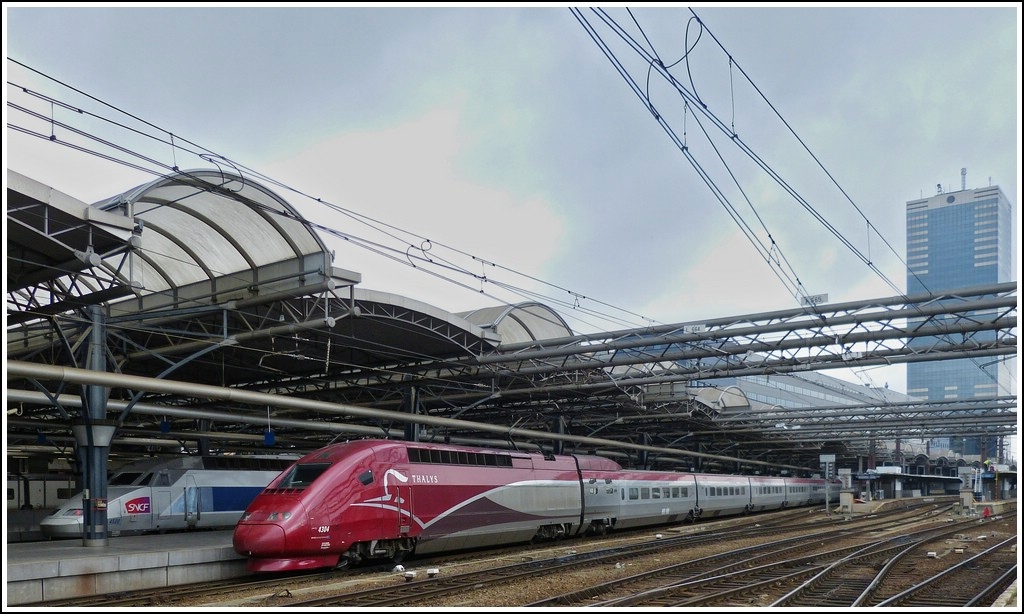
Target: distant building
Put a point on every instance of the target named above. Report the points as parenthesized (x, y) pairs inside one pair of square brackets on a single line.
[(959, 240), (809, 390)]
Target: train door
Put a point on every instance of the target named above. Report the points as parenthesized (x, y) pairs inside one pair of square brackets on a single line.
[(192, 503), (160, 503), (395, 504), (403, 505)]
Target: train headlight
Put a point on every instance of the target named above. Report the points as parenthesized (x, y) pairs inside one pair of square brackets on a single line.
[(279, 515)]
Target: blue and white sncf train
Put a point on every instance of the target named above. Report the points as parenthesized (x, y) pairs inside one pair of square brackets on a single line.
[(173, 494)]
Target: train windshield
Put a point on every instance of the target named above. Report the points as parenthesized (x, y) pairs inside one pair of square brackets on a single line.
[(124, 478), (302, 475)]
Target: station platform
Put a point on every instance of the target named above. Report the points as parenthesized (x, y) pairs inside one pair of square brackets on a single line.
[(62, 569)]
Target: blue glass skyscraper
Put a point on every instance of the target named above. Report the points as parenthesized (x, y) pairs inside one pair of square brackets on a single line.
[(958, 240)]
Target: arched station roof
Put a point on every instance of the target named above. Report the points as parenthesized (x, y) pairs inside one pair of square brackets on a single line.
[(521, 322), (208, 235), (210, 278), (205, 262)]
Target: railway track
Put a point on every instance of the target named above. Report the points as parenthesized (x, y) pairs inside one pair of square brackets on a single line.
[(977, 581), (777, 575), (532, 565), (877, 577), (432, 591)]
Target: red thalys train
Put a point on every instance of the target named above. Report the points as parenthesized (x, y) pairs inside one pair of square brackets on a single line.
[(382, 499)]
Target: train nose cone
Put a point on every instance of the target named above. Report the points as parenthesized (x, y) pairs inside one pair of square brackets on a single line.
[(258, 539)]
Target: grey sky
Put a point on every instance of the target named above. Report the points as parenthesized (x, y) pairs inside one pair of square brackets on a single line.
[(507, 134)]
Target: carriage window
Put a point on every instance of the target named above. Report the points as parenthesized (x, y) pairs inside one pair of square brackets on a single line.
[(450, 457), (634, 494), (645, 493), (656, 493)]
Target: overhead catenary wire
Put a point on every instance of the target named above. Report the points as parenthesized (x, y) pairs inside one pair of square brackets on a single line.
[(165, 170), (652, 60), (447, 269), (771, 250), (691, 100)]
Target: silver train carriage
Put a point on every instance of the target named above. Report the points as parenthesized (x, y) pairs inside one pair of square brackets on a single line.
[(28, 491), (625, 499)]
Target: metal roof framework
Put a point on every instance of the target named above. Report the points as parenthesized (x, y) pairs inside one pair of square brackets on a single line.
[(209, 278)]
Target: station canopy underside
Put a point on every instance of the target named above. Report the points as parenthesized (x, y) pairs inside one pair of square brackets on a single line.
[(225, 326)]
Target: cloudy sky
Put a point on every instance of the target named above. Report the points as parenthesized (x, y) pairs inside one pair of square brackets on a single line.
[(534, 153)]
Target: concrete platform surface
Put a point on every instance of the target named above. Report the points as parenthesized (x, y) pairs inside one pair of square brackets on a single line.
[(61, 569)]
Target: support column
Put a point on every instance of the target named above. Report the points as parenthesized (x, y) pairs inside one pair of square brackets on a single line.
[(411, 405), (558, 426), (203, 443), (643, 457), (93, 434), (93, 451)]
